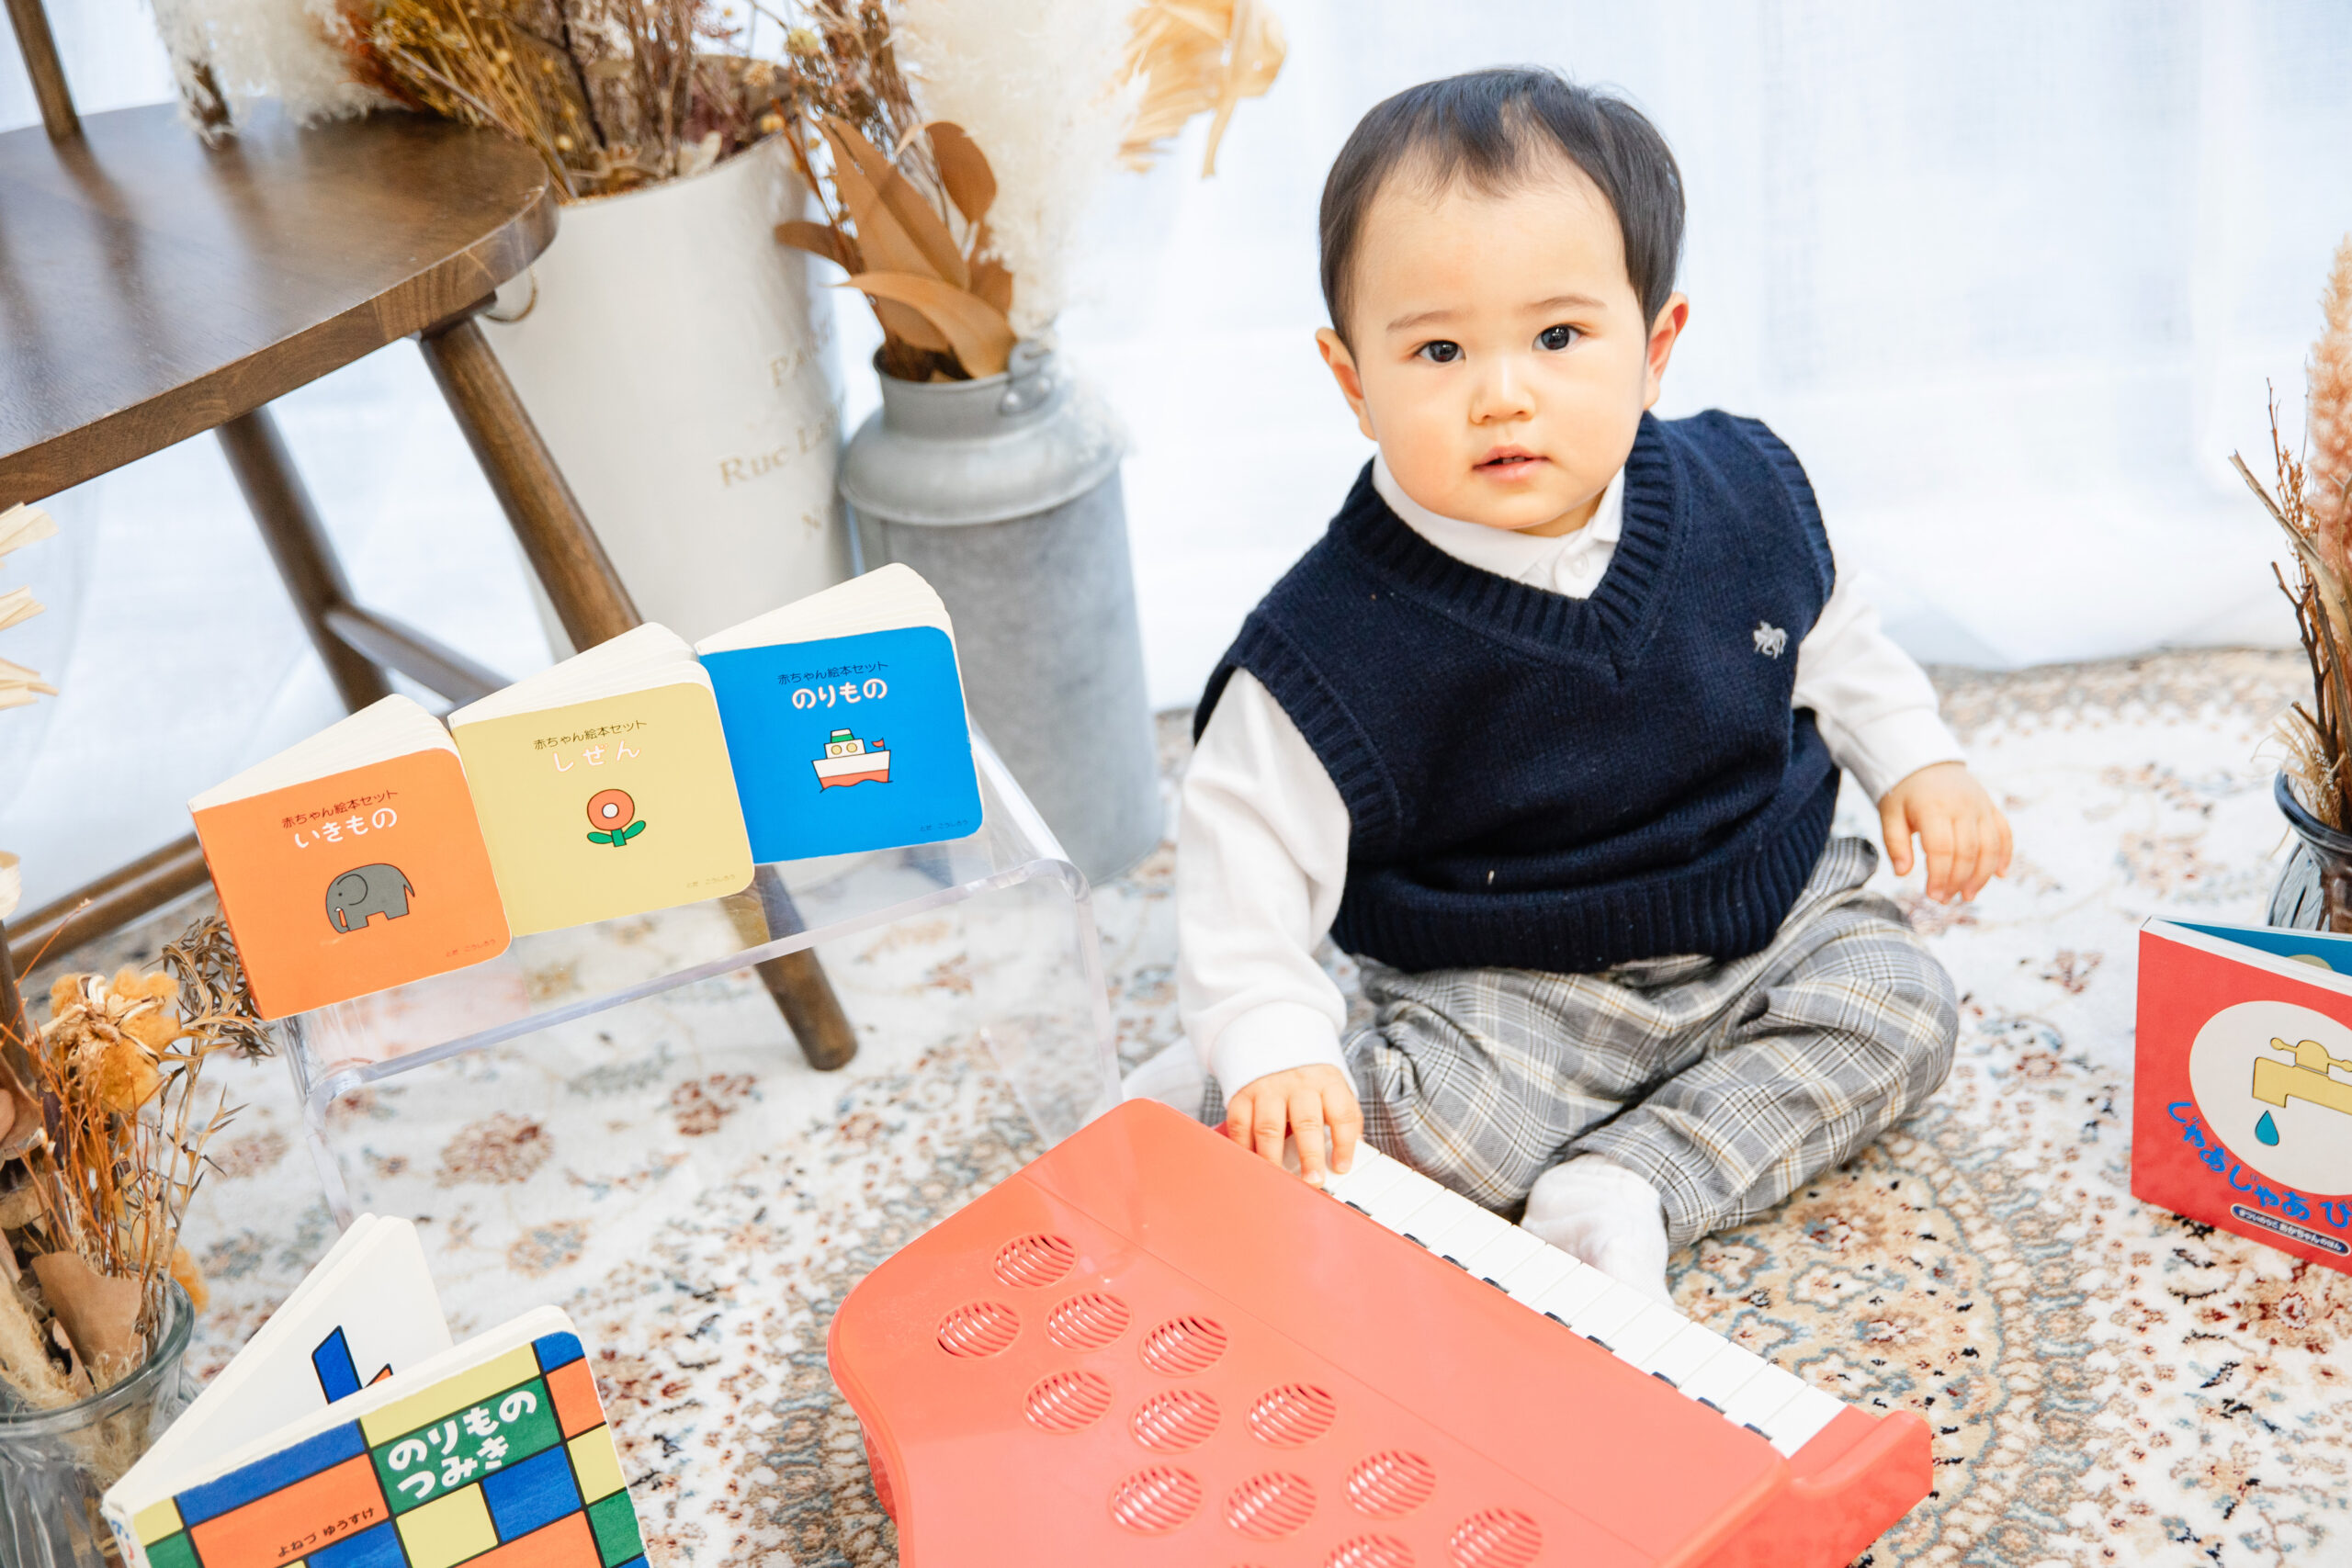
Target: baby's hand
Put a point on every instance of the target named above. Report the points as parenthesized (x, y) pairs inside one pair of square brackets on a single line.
[(1963, 835), (1301, 1101)]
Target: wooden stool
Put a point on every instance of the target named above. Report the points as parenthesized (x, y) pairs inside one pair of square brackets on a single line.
[(155, 288)]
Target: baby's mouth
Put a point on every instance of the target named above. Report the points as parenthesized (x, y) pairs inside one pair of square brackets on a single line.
[(1508, 460)]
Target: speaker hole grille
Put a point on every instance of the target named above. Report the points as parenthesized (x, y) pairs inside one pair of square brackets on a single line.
[(1183, 1345), (1070, 1401), (1293, 1415), (1392, 1484), (1087, 1322), (1371, 1551), (1496, 1538), (1156, 1500), (979, 1328), (1034, 1260), (1172, 1423), (1270, 1506)]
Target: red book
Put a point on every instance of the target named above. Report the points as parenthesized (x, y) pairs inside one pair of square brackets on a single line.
[(2242, 1110)]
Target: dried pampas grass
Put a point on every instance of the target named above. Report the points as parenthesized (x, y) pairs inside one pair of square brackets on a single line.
[(2310, 498), (2327, 412), (1037, 85), (228, 55)]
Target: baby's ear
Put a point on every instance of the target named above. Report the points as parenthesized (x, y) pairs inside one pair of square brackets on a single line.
[(1665, 333), (1335, 352)]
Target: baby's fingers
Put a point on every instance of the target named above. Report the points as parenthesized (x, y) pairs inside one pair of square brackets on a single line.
[(1347, 1130), (1991, 855), (1895, 824), (1306, 1122), (1936, 847)]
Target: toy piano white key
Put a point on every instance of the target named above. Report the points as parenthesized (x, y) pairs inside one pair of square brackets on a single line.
[(1502, 1254), (1574, 1293), (1470, 1231), (1688, 1348), (1722, 1374), (1438, 1217), (1374, 1174), (1608, 1312), (1397, 1206), (1795, 1424), (1645, 1334), (1763, 1396), (1529, 1281)]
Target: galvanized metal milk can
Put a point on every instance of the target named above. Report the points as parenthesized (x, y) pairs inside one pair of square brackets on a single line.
[(1004, 493)]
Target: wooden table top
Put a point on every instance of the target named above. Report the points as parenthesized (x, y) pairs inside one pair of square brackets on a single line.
[(150, 288)]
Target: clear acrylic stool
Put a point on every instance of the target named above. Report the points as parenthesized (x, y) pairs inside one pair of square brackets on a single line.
[(1024, 913)]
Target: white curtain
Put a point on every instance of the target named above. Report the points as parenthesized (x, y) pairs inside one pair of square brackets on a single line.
[(2009, 277)]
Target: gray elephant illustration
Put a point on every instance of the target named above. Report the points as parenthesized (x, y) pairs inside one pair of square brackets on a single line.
[(364, 891)]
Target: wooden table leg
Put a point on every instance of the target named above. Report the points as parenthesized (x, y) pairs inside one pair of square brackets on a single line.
[(298, 544), (594, 605)]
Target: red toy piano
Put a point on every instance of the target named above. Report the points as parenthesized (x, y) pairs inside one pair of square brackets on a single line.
[(1151, 1346)]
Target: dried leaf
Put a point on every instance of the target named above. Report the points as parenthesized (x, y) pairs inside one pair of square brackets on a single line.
[(963, 169), (98, 1313), (23, 524), (24, 1356), (1258, 50), (822, 240), (978, 332), (18, 605), (993, 285), (19, 1206), (875, 187)]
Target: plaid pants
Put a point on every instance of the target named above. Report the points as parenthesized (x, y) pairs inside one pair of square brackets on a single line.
[(1724, 1085)]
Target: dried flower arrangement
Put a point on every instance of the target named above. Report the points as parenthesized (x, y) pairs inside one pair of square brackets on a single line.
[(103, 1131), (615, 94), (960, 251), (2311, 503), (611, 94)]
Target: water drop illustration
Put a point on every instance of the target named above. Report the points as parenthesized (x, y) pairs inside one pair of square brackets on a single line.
[(2266, 1129)]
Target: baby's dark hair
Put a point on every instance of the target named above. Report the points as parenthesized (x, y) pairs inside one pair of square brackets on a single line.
[(1490, 128)]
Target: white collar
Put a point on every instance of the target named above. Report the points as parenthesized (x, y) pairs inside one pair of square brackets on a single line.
[(1521, 557)]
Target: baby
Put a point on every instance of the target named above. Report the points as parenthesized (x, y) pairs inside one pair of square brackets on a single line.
[(1547, 731)]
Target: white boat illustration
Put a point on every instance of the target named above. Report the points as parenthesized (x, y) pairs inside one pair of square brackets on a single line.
[(847, 761)]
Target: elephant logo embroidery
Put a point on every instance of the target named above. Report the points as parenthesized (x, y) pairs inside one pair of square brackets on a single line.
[(364, 891), (614, 816)]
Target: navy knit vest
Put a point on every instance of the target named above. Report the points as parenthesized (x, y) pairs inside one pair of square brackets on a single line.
[(1545, 782)]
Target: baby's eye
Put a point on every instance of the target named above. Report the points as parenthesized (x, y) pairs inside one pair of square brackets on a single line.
[(1440, 352), (1557, 337)]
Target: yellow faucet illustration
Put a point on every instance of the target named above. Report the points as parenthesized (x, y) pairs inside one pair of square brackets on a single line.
[(2307, 1079)]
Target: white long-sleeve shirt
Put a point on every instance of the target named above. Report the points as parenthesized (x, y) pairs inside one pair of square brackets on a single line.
[(1261, 846)]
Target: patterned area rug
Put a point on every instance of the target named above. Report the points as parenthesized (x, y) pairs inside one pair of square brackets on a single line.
[(2106, 1384)]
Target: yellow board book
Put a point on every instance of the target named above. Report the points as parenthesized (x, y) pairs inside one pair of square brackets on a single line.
[(602, 786), (352, 862)]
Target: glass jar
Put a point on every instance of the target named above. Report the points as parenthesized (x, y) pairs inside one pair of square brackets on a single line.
[(56, 1464), (2314, 893)]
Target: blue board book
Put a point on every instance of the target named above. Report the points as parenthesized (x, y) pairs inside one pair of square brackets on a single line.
[(844, 720)]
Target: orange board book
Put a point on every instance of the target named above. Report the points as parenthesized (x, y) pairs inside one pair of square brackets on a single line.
[(604, 786), (352, 863)]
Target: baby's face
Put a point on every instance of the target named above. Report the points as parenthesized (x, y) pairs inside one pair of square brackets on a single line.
[(1501, 356)]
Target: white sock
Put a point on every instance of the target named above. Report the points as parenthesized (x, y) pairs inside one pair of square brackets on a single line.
[(1172, 1077), (1607, 1216)]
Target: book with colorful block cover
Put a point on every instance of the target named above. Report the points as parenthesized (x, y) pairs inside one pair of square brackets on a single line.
[(495, 1454)]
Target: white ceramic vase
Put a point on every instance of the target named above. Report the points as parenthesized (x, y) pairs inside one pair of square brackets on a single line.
[(667, 349)]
